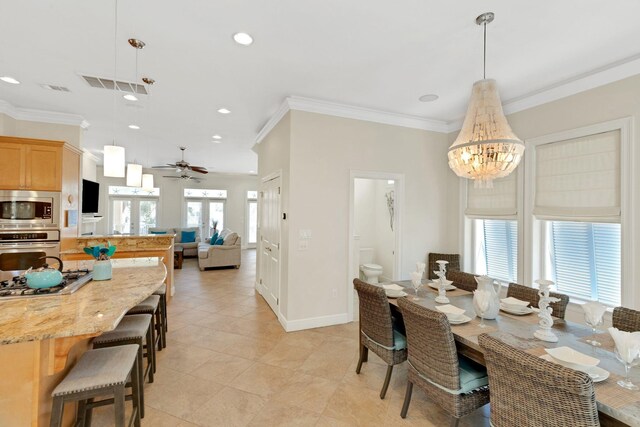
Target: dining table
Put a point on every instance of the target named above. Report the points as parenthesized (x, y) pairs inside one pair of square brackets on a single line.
[(617, 406)]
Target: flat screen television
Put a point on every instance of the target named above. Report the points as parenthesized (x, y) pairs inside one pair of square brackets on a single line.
[(90, 196)]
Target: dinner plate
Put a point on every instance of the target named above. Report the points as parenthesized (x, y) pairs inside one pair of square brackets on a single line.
[(463, 319), (596, 373), (395, 294), (446, 288), (517, 312), (568, 355)]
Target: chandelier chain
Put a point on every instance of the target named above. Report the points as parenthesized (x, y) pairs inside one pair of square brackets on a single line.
[(484, 64)]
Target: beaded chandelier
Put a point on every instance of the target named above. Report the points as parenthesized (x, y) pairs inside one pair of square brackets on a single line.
[(486, 148)]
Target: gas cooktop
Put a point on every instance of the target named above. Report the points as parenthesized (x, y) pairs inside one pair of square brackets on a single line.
[(72, 281)]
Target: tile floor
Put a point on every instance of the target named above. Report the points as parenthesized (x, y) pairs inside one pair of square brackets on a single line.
[(228, 362)]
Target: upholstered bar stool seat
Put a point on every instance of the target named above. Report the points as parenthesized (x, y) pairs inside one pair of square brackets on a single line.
[(100, 373), (135, 329), (162, 293), (151, 305)]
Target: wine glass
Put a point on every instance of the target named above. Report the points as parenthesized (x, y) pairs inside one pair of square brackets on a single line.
[(416, 282), (594, 323), (483, 306), (628, 360)]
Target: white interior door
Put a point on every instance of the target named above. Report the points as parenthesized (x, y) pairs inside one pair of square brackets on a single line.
[(270, 242)]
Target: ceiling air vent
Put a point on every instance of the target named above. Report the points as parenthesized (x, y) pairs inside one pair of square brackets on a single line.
[(54, 87), (104, 83)]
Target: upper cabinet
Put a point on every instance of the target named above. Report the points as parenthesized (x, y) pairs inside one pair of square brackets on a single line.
[(30, 164)]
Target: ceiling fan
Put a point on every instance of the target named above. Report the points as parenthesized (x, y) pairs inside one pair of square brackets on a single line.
[(183, 175), (182, 166)]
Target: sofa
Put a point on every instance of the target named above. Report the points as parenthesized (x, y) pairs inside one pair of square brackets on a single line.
[(228, 254), (190, 248)]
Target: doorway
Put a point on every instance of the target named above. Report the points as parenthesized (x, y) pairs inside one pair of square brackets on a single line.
[(133, 215), (270, 209), (374, 228)]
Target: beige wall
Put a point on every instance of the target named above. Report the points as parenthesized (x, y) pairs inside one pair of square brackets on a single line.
[(274, 156), (323, 151), (39, 130)]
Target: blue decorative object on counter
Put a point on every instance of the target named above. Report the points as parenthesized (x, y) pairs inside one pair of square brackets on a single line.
[(102, 266), (102, 270)]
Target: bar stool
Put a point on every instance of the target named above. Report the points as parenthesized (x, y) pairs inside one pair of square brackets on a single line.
[(151, 306), (101, 372), (162, 293), (132, 330)]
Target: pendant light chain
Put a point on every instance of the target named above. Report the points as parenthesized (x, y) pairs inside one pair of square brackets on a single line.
[(115, 70), (484, 65)]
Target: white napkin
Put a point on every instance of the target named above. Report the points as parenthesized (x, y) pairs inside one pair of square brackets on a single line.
[(627, 344), (482, 298), (450, 309), (392, 287), (421, 266), (416, 277), (514, 301), (593, 311)]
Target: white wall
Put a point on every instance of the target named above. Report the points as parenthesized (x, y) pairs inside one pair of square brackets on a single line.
[(38, 130), (171, 209), (323, 152)]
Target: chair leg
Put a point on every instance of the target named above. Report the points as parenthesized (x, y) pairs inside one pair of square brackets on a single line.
[(387, 379), (150, 347), (118, 402), (80, 413), (135, 392), (363, 351), (407, 399), (140, 369), (88, 413), (454, 422), (56, 412)]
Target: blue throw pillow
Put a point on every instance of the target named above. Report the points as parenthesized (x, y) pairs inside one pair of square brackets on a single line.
[(158, 232), (214, 238), (188, 236), (219, 241)]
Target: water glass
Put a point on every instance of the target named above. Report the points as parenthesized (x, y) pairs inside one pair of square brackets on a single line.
[(594, 328)]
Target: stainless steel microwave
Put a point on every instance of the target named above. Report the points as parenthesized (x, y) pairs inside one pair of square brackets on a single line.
[(29, 207)]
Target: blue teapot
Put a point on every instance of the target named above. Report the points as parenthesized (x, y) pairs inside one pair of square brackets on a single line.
[(44, 277)]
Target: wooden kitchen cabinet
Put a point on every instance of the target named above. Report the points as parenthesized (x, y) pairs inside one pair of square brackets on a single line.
[(30, 164)]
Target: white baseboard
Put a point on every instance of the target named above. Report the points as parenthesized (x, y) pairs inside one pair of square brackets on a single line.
[(312, 322)]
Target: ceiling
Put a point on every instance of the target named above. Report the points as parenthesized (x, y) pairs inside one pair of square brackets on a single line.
[(376, 54)]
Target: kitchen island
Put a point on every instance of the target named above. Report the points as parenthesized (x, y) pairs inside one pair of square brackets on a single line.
[(42, 337)]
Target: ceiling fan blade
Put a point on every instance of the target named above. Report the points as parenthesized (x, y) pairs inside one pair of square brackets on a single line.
[(168, 176), (198, 169), (167, 166)]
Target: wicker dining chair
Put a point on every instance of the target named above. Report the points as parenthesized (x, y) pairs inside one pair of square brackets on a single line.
[(376, 330), (455, 383), (454, 263), (530, 392), (525, 293), (462, 280), (626, 319)]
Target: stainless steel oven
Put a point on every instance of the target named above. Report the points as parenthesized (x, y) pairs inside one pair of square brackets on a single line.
[(21, 249), (29, 208)]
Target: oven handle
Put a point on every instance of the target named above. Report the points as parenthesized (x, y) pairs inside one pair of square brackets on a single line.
[(34, 246)]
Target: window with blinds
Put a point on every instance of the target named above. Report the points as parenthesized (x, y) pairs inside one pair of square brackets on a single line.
[(501, 249), (586, 260)]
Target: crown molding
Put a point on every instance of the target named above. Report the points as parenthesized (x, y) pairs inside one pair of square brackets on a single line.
[(601, 76), (349, 112), (43, 116), (90, 155)]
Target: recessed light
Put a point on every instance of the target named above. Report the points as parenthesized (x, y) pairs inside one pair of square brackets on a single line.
[(428, 98), (243, 38), (224, 111), (11, 80), (130, 97), (136, 127), (216, 137)]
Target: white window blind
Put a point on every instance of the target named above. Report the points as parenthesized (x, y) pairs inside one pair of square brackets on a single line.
[(586, 260), (579, 179), (501, 249), (497, 202)]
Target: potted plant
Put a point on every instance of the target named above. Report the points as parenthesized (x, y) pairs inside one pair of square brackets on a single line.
[(102, 255)]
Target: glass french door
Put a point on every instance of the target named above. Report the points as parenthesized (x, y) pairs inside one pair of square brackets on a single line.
[(202, 213), (252, 223), (132, 215)]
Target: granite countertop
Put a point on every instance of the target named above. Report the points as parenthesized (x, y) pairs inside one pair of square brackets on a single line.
[(122, 243), (95, 308)]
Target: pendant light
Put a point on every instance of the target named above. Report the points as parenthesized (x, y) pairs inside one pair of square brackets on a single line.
[(486, 148), (113, 154), (134, 171)]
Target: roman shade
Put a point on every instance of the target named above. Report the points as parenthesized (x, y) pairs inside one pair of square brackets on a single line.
[(499, 202), (579, 179)]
